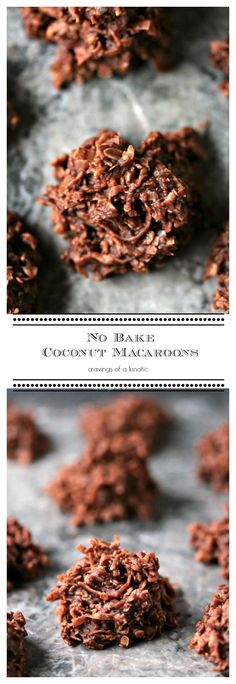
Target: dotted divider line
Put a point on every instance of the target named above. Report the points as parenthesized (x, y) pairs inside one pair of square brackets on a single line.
[(161, 385), (70, 319)]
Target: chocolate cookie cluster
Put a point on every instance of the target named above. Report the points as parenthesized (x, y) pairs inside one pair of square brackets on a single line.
[(113, 596), (100, 40), (25, 440), (124, 208), (211, 542), (213, 451), (22, 267), (25, 559), (126, 414), (111, 480), (211, 638), (16, 653)]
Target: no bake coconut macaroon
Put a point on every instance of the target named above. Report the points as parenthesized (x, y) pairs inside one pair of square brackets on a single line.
[(211, 542), (123, 208), (16, 653), (124, 414), (213, 452), (109, 482), (211, 638), (25, 441), (22, 267), (220, 60), (25, 560), (218, 265), (100, 40), (113, 596)]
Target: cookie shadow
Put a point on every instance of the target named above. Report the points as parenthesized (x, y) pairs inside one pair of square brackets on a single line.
[(168, 505), (183, 608), (53, 278), (189, 26), (37, 658), (215, 185), (22, 101)]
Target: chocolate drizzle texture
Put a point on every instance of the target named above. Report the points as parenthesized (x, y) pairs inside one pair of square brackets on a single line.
[(211, 638), (123, 208), (113, 596), (13, 119), (110, 481), (25, 560), (220, 60), (22, 267), (16, 653), (211, 542), (100, 41)]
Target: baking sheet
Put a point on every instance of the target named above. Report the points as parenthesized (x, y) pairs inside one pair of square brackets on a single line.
[(54, 122), (183, 500)]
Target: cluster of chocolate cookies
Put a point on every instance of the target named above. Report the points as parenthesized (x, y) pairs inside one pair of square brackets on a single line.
[(218, 266), (120, 207), (25, 562), (100, 41), (26, 442), (16, 652), (111, 480), (213, 453), (211, 638), (25, 559), (211, 542), (113, 595), (127, 598)]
